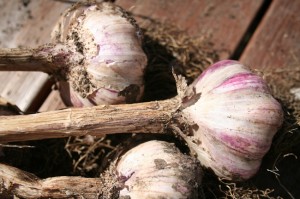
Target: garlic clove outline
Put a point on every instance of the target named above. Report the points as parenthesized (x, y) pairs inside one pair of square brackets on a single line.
[(236, 119), (110, 40), (157, 169)]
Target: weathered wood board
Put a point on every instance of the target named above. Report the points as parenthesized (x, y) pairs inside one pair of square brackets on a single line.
[(226, 21), (52, 102), (26, 23), (276, 41)]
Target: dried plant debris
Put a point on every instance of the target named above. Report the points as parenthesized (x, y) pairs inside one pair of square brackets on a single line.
[(190, 55), (87, 153), (233, 191), (168, 48), (44, 158)]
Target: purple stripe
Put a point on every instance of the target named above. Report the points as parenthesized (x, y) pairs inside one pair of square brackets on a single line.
[(253, 148), (215, 67), (244, 81)]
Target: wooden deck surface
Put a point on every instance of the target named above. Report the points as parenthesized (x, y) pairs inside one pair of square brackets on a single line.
[(262, 34)]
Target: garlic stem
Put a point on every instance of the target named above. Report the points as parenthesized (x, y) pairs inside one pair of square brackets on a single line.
[(23, 60), (49, 58), (26, 185), (148, 117)]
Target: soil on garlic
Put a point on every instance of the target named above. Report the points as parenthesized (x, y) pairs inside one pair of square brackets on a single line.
[(80, 81), (78, 77), (112, 183)]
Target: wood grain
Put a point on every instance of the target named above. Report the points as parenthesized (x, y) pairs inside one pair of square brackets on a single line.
[(276, 42)]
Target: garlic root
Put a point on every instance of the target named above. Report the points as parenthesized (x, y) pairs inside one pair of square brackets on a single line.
[(153, 169)]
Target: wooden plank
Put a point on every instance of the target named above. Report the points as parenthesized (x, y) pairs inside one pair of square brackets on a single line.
[(226, 21), (53, 102), (276, 42), (275, 50), (20, 89), (29, 25)]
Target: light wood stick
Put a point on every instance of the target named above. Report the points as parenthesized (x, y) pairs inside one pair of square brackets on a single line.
[(148, 117)]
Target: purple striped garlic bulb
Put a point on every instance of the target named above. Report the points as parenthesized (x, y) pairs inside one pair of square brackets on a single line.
[(113, 66), (235, 120), (157, 169)]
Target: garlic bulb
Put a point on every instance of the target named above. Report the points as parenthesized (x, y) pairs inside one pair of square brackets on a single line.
[(157, 169), (236, 118), (113, 66)]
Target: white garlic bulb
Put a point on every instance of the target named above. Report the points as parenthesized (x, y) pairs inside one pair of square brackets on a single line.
[(157, 169), (235, 120), (113, 66)]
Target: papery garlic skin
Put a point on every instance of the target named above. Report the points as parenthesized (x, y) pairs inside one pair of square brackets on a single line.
[(157, 169), (114, 63), (237, 118)]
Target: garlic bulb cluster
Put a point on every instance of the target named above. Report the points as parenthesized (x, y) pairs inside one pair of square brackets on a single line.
[(227, 116), (235, 120), (112, 69), (157, 169)]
